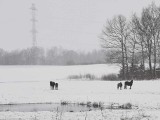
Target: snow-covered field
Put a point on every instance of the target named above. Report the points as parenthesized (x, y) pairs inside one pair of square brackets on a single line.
[(30, 84), (47, 73)]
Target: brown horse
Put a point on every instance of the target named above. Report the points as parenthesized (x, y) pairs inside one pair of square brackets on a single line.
[(119, 85), (56, 86), (52, 84), (128, 83)]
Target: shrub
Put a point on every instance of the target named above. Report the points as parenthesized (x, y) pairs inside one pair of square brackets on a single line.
[(89, 76), (101, 104), (75, 77), (95, 105), (110, 77), (64, 102), (82, 104), (126, 106), (89, 104), (85, 76)]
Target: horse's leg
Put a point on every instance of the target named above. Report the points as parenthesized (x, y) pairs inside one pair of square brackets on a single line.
[(121, 86), (117, 86), (53, 86)]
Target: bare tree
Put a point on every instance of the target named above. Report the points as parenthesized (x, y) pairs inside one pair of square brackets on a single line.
[(114, 36), (149, 27)]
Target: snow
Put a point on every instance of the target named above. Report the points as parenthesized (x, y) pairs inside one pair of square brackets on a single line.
[(30, 84), (143, 93), (47, 73), (91, 115)]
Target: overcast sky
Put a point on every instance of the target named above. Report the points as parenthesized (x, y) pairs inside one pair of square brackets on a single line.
[(71, 24)]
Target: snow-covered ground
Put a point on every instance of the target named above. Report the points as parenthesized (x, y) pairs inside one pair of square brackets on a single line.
[(89, 115), (30, 84), (47, 73), (143, 93)]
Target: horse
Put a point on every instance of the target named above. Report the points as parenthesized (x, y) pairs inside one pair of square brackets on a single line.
[(119, 85), (56, 86), (52, 84), (128, 83)]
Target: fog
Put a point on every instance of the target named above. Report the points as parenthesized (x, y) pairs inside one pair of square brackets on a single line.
[(71, 24)]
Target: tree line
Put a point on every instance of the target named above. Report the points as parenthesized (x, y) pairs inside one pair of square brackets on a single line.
[(52, 56), (135, 43)]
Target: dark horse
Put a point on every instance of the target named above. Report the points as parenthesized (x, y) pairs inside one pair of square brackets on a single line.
[(128, 83), (56, 86), (52, 84), (119, 85)]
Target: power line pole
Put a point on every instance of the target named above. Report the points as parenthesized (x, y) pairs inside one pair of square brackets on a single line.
[(34, 31)]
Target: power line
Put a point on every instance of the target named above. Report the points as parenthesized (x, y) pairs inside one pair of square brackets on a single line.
[(34, 31)]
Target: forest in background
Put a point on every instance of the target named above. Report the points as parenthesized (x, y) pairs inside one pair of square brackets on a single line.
[(52, 56)]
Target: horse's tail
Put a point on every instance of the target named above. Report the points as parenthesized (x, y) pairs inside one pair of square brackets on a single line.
[(131, 82), (125, 85), (117, 86)]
